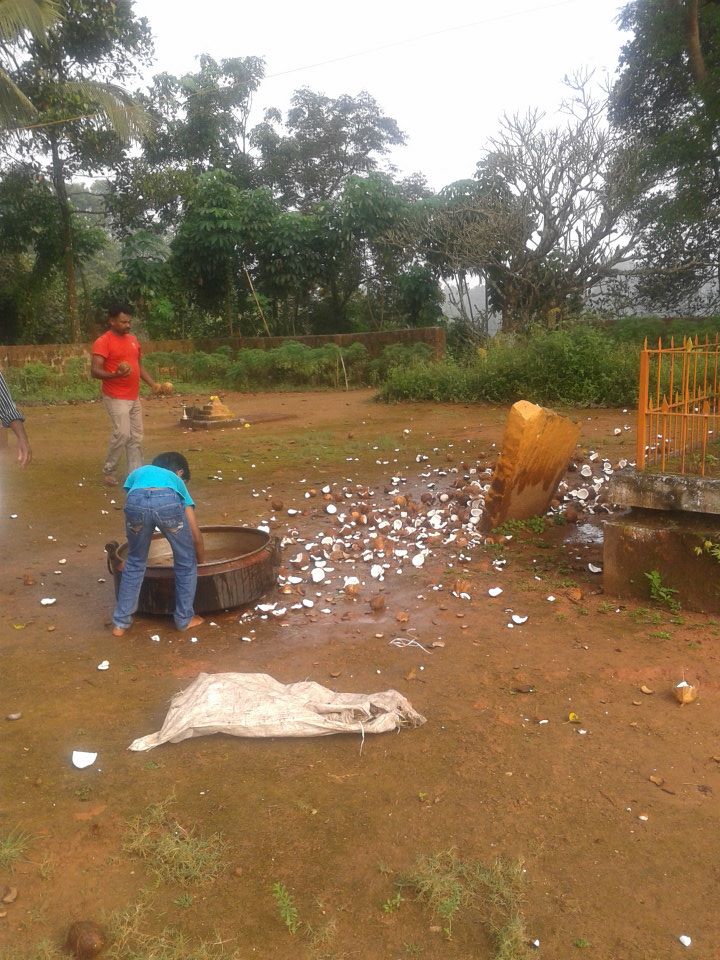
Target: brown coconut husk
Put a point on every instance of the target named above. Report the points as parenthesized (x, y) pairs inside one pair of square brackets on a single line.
[(85, 939)]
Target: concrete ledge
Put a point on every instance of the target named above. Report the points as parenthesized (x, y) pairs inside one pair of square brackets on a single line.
[(652, 491)]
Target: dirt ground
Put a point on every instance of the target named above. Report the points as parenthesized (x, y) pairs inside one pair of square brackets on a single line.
[(617, 866)]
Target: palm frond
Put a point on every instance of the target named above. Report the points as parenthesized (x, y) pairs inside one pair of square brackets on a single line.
[(35, 16), (127, 118), (14, 105)]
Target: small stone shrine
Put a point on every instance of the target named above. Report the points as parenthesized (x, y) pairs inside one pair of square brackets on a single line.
[(214, 413)]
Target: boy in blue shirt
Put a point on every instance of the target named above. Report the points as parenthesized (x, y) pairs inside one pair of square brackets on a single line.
[(157, 497)]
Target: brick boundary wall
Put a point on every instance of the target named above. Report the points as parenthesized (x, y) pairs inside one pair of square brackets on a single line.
[(55, 354)]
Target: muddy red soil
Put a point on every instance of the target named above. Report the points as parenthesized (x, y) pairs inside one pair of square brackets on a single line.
[(618, 866)]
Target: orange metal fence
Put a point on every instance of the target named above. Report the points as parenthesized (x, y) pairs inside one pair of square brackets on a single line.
[(679, 406)]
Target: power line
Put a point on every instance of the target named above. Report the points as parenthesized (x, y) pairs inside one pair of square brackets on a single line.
[(421, 36)]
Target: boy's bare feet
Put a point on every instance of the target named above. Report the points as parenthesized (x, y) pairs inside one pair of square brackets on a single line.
[(109, 480), (195, 622), (118, 631)]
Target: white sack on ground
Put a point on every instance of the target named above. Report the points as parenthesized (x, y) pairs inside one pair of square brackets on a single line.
[(255, 705)]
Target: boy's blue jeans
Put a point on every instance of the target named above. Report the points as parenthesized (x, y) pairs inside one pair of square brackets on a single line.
[(145, 510)]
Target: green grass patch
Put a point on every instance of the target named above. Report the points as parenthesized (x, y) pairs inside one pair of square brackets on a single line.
[(586, 364), (510, 528), (41, 383), (174, 853), (456, 890), (130, 937), (12, 847), (131, 940), (293, 365), (645, 616)]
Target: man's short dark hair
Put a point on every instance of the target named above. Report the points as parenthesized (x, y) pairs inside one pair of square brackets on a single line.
[(173, 461), (117, 307)]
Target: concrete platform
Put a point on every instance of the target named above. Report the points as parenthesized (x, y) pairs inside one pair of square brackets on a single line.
[(191, 424), (643, 540), (197, 424)]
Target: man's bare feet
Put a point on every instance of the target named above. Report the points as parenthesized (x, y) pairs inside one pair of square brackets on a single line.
[(109, 480), (195, 622), (119, 631)]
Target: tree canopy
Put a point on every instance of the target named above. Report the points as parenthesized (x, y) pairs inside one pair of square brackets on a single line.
[(172, 193), (667, 100), (323, 141), (73, 74)]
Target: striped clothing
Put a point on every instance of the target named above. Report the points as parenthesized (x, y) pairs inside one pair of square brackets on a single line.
[(8, 410)]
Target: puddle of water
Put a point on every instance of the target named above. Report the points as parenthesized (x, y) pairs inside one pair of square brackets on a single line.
[(586, 533)]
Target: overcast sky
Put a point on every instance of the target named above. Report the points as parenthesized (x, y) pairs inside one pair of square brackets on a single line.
[(444, 70)]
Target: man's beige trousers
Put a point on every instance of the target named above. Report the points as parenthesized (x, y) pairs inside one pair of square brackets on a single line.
[(127, 435)]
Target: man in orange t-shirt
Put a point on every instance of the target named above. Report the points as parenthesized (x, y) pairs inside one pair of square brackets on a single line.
[(116, 362)]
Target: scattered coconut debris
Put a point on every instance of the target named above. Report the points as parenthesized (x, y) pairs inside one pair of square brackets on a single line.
[(364, 536)]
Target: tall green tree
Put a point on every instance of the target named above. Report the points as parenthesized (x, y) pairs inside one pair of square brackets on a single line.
[(373, 210), (338, 272), (287, 269), (199, 123), (31, 248), (667, 99), (371, 272), (76, 80), (216, 243), (457, 239), (307, 158)]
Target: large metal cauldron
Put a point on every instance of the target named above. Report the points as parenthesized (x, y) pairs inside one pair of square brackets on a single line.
[(241, 564)]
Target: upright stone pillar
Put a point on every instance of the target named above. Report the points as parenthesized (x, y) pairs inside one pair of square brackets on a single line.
[(536, 448)]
